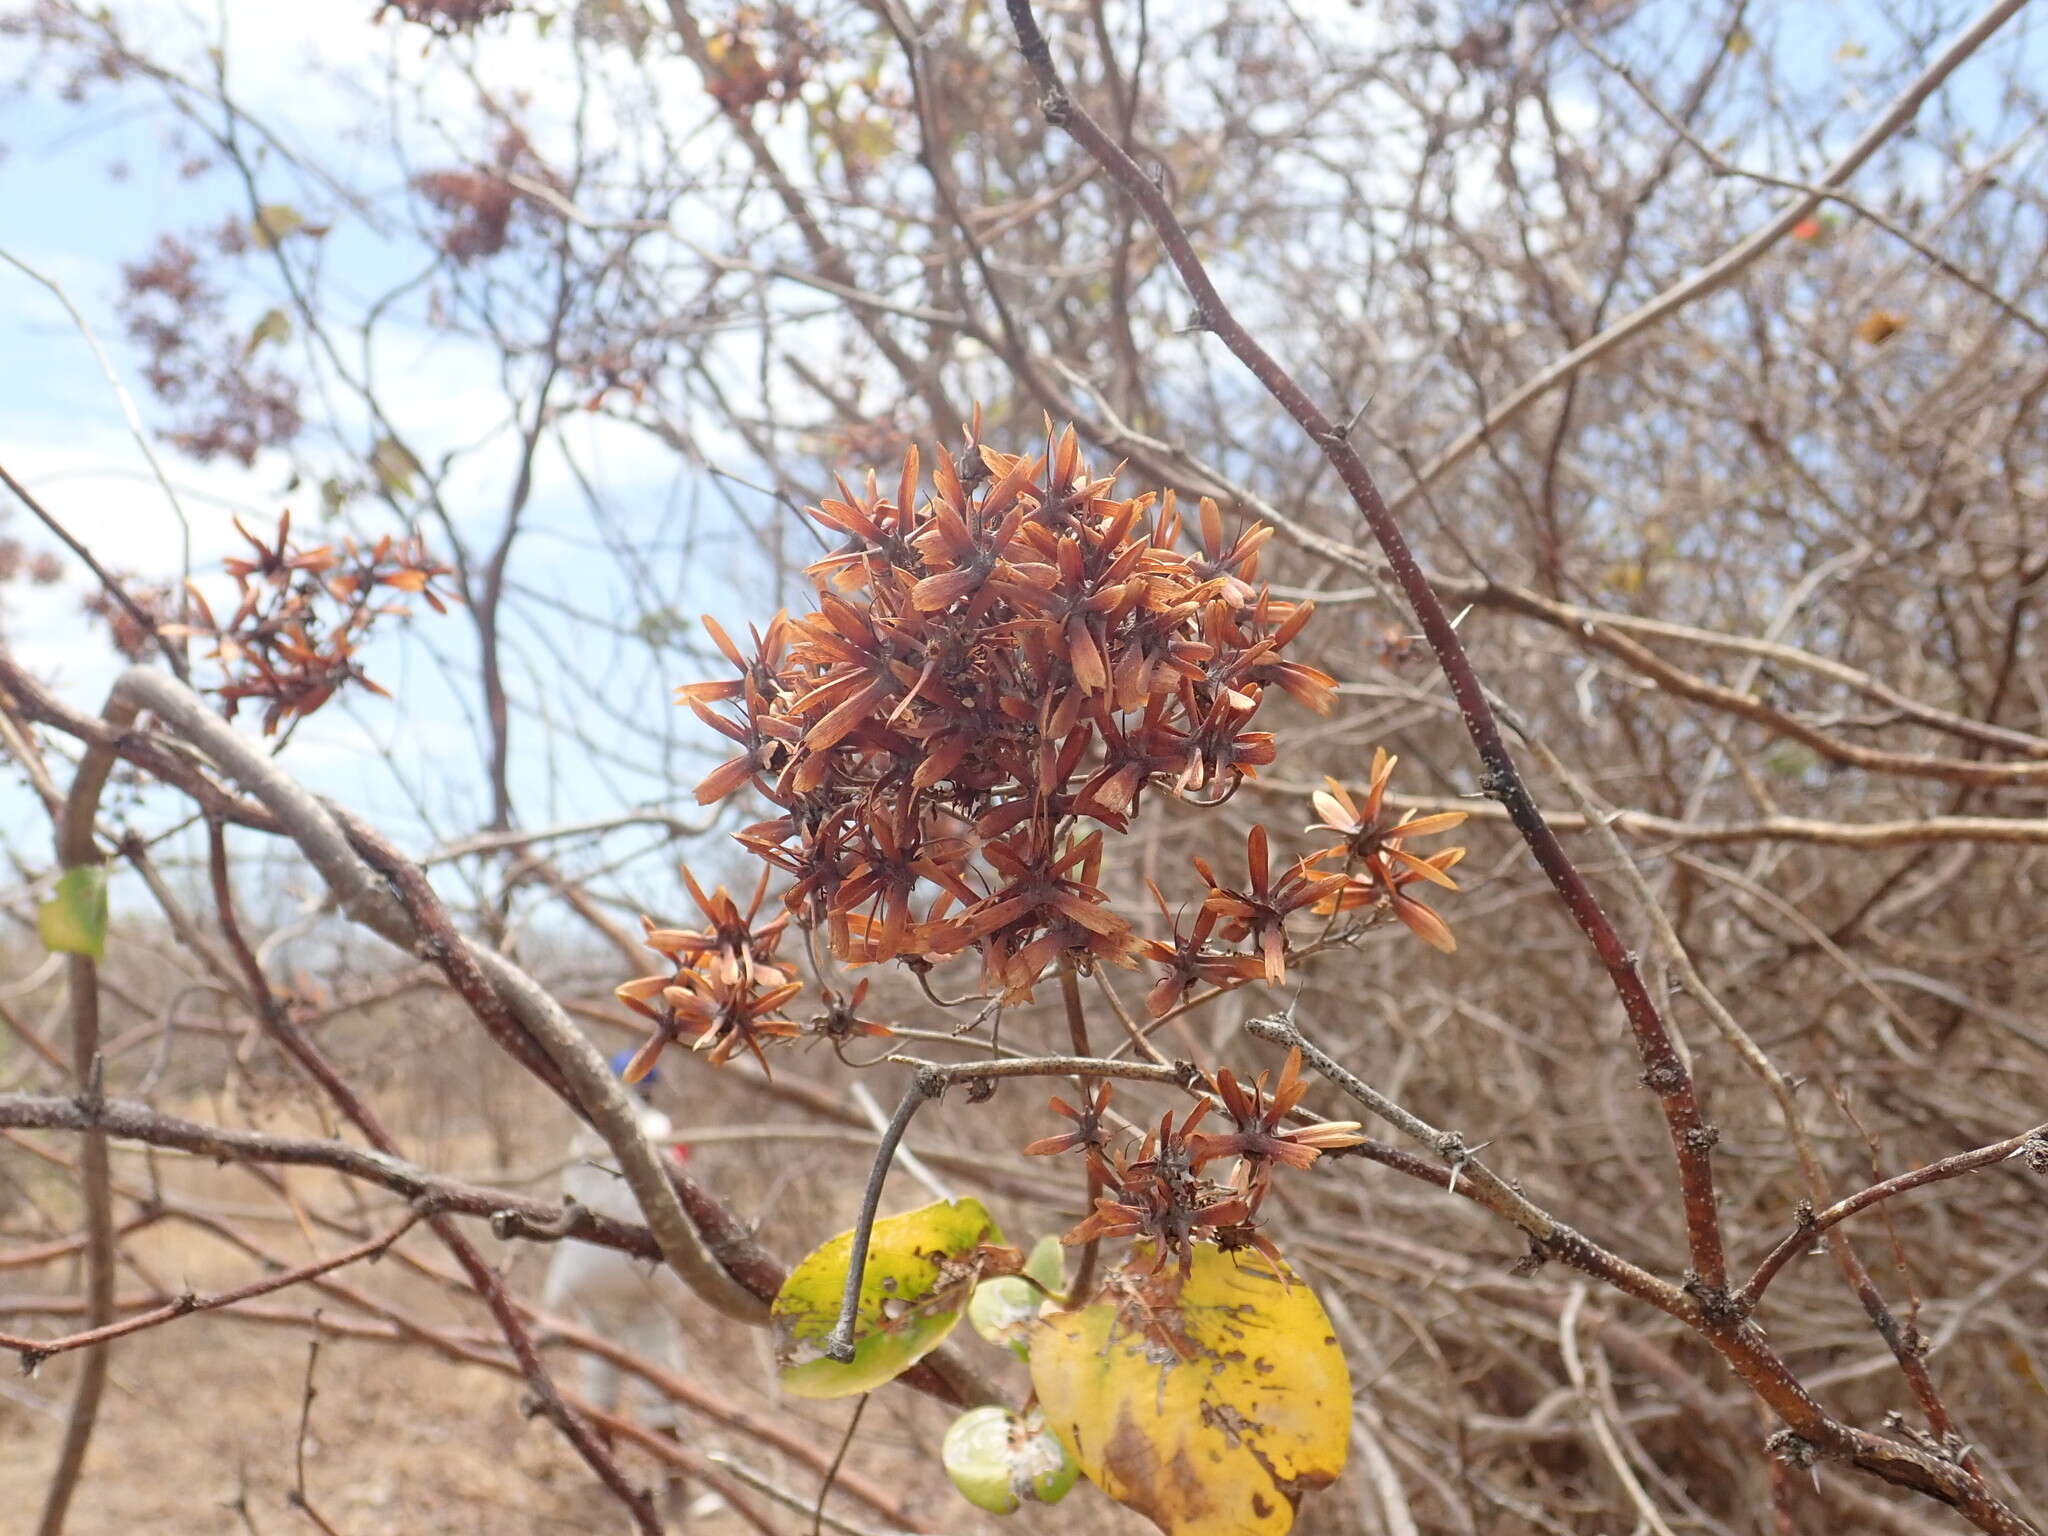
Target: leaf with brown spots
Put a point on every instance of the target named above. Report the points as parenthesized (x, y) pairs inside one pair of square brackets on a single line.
[(921, 1268), (1208, 1404)]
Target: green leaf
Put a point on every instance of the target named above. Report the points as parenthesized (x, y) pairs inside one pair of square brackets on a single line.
[(1207, 1404), (921, 1267), (275, 326), (395, 466), (998, 1460), (1791, 759), (74, 920)]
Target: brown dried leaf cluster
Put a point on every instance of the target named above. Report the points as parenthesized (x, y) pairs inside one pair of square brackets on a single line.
[(479, 202), (1157, 1194), (225, 399), (447, 18), (990, 669), (725, 986), (761, 56), (304, 610)]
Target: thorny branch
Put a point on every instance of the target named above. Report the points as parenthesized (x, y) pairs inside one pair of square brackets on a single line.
[(1665, 1070)]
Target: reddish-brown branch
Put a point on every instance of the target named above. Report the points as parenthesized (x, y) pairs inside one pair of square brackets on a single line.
[(78, 849), (34, 1351), (486, 1281), (1664, 1070), (1812, 1225)]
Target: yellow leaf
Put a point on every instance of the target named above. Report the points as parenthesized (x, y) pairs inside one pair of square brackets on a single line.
[(395, 466), (275, 326), (1623, 576), (1208, 1405), (921, 1268), (273, 222), (1880, 326)]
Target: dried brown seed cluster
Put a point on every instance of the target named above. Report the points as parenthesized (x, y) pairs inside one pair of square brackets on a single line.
[(1376, 864), (989, 668), (303, 612), (725, 985), (1158, 1194)]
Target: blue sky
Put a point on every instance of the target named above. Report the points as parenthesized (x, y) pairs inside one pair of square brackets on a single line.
[(86, 189), (302, 70)]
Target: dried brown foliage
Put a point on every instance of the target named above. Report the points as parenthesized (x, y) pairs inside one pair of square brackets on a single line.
[(227, 402), (997, 674), (302, 613)]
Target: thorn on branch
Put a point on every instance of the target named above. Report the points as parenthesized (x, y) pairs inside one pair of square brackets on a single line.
[(1717, 1306), (1793, 1450), (1664, 1079)]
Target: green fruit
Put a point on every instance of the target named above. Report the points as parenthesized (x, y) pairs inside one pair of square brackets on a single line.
[(998, 1460), (1003, 1309), (1048, 1263)]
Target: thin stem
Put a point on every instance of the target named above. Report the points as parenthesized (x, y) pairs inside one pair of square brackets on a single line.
[(925, 1084), (34, 1352), (296, 1497), (77, 849), (2032, 1143), (1460, 1165), (1077, 1031), (1055, 1066), (106, 578), (832, 1472)]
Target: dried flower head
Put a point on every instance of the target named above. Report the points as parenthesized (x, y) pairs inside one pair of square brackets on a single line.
[(726, 985), (302, 613), (1088, 1133), (1159, 1198), (986, 669), (1259, 1136), (1261, 908), (1190, 957), (1377, 864)]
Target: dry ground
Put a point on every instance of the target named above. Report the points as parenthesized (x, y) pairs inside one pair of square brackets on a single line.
[(199, 1428)]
